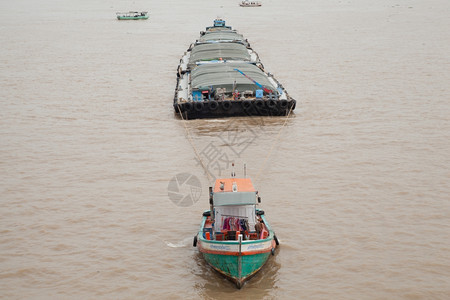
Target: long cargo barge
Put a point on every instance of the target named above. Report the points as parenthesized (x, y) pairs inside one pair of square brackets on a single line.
[(220, 75)]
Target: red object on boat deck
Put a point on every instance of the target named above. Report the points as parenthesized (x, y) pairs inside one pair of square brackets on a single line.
[(253, 236), (264, 234)]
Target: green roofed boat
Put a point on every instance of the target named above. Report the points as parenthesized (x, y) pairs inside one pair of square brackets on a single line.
[(132, 15), (220, 75), (234, 237)]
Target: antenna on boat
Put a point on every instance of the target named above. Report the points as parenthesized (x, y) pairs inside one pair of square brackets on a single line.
[(233, 174)]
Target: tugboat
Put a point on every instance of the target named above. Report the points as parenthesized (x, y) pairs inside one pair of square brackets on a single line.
[(220, 75), (234, 237)]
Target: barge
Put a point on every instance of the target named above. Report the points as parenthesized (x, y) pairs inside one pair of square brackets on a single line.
[(220, 75)]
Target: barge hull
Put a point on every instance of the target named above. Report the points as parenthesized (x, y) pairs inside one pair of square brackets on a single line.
[(215, 109)]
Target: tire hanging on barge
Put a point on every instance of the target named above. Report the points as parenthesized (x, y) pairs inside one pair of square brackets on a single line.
[(271, 104), (213, 105), (226, 105), (198, 106), (188, 106), (247, 104), (283, 104)]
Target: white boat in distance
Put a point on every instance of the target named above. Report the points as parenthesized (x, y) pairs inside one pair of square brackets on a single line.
[(247, 3)]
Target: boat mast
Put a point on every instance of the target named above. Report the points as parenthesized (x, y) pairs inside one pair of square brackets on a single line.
[(211, 203), (240, 261)]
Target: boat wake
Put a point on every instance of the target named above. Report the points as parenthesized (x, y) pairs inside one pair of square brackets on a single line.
[(181, 244)]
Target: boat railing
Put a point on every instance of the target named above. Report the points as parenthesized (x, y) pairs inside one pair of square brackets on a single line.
[(260, 231)]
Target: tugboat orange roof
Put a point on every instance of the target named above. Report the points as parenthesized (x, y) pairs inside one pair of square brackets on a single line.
[(243, 185)]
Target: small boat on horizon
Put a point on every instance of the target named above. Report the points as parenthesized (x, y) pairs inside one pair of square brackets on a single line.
[(247, 3), (234, 237), (132, 15)]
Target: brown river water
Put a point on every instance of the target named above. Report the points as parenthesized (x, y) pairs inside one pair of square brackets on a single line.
[(356, 183)]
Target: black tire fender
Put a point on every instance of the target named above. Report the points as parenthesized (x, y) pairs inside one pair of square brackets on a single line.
[(283, 103), (226, 105), (259, 104), (188, 106), (246, 104), (271, 103), (198, 106), (294, 102), (213, 105), (276, 240)]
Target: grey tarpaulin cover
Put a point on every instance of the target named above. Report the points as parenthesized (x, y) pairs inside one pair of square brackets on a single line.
[(222, 35), (226, 51), (223, 75)]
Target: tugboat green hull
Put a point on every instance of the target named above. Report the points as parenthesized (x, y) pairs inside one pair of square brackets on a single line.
[(228, 265), (238, 260)]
